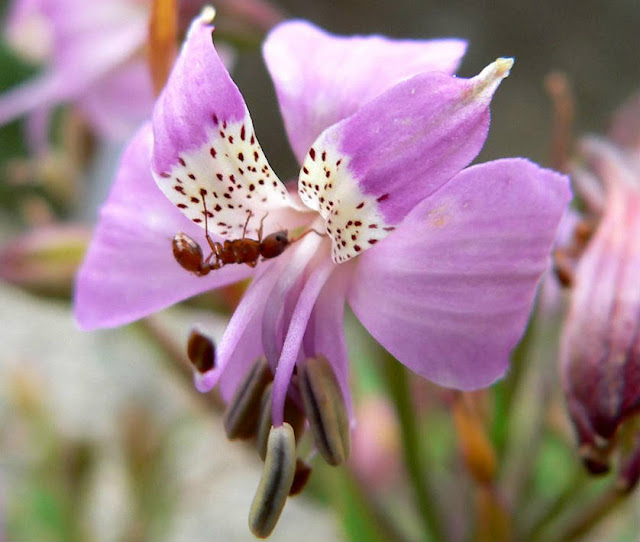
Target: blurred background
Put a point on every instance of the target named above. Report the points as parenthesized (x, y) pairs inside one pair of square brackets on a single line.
[(102, 436)]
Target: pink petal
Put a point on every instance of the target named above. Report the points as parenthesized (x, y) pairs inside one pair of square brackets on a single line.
[(449, 293), (129, 270), (88, 41), (321, 79), (364, 174), (120, 101), (42, 91), (206, 158)]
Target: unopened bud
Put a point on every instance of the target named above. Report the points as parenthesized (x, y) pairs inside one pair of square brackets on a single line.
[(325, 408), (241, 417), (600, 352), (275, 483), (201, 351), (45, 260), (630, 471)]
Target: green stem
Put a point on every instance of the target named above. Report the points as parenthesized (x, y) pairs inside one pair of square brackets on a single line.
[(589, 516), (571, 494), (397, 382)]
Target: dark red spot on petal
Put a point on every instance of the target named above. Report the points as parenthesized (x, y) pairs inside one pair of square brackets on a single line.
[(192, 176), (242, 133), (230, 138), (373, 241), (217, 208), (305, 170), (203, 192), (241, 157), (357, 223), (383, 197), (165, 175), (181, 206), (324, 155), (212, 152), (219, 175), (181, 162), (312, 153), (360, 205), (357, 248), (194, 200)]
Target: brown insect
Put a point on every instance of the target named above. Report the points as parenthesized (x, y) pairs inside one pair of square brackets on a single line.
[(188, 253)]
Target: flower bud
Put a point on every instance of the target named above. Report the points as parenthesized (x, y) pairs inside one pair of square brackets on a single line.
[(600, 353), (45, 260), (241, 416), (275, 483), (325, 408)]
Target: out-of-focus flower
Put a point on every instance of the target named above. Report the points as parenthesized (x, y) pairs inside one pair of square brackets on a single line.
[(600, 352), (376, 449), (92, 56), (440, 263), (45, 260)]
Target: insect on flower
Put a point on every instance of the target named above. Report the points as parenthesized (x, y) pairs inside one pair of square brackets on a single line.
[(188, 252)]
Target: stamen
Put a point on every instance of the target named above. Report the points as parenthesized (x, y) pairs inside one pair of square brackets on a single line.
[(201, 351), (276, 481), (292, 415), (300, 478), (241, 417), (325, 408)]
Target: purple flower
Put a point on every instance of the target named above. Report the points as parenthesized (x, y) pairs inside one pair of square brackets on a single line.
[(440, 263), (91, 53), (600, 354)]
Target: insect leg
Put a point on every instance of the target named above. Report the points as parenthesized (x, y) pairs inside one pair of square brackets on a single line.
[(246, 224), (261, 225)]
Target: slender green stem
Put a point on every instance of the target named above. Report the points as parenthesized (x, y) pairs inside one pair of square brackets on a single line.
[(571, 494), (588, 516), (397, 381)]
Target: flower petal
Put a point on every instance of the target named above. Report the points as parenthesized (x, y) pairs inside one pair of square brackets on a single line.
[(449, 293), (121, 101), (129, 270), (321, 79), (87, 44), (206, 158), (364, 174)]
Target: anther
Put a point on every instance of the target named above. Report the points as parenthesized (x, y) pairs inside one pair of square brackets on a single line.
[(201, 351), (241, 417), (275, 483), (300, 478), (325, 408)]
